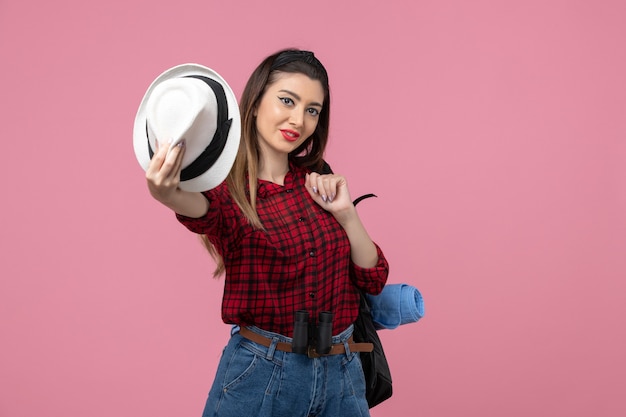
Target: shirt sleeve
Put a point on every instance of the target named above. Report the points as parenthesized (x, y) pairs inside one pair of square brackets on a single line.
[(371, 280), (210, 222)]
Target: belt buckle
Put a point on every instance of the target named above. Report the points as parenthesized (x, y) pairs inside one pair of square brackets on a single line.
[(311, 353)]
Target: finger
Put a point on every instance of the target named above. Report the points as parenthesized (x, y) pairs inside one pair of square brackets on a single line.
[(157, 159), (332, 188), (311, 183), (173, 161), (179, 152), (323, 186)]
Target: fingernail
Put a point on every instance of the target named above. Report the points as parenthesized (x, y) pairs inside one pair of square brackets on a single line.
[(332, 197), (315, 190), (324, 198), (181, 143)]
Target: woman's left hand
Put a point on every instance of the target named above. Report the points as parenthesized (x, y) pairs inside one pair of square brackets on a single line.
[(331, 193)]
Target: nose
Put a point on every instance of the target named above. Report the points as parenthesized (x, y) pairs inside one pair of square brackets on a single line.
[(296, 118)]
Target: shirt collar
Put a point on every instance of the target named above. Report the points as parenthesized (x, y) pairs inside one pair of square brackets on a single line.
[(267, 188)]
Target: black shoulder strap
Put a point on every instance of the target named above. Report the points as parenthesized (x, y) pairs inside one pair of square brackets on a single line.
[(326, 169)]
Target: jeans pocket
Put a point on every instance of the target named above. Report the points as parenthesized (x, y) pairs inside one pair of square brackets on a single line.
[(240, 367), (354, 379)]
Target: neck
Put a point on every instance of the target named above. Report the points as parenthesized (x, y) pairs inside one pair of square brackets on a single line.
[(274, 170)]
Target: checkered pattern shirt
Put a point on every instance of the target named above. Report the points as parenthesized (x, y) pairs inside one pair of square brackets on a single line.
[(300, 262)]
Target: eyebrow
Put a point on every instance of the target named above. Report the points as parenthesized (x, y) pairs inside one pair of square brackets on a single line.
[(297, 97)]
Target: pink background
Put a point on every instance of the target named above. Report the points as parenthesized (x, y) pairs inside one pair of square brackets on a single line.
[(492, 131)]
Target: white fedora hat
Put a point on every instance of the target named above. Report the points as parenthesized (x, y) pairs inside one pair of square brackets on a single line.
[(193, 103)]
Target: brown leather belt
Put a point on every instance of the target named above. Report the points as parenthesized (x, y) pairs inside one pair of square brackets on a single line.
[(337, 349)]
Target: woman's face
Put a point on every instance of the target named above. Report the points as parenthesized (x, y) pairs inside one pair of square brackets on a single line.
[(288, 113)]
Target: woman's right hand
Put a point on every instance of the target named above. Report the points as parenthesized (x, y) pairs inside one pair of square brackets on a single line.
[(163, 173), (163, 176)]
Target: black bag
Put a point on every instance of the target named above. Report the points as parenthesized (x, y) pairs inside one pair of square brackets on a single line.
[(375, 367)]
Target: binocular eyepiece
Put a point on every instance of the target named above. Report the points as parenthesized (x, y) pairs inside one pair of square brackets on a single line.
[(323, 333), (300, 341)]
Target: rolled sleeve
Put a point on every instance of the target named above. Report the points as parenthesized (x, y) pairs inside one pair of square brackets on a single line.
[(371, 280), (213, 221), (206, 224)]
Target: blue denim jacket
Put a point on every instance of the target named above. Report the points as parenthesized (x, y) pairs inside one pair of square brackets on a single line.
[(397, 304)]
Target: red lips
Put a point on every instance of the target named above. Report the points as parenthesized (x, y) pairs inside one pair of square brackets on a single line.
[(290, 135)]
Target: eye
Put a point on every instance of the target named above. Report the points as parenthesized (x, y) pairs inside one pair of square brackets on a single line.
[(286, 101), (313, 111)]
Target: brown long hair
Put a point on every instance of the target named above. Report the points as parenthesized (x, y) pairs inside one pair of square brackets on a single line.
[(243, 177)]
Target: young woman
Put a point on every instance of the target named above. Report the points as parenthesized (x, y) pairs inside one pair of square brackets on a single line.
[(289, 239)]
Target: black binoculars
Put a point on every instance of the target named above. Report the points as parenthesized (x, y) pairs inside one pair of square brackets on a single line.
[(323, 333)]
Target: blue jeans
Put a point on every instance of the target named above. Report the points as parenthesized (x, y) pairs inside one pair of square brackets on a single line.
[(253, 380)]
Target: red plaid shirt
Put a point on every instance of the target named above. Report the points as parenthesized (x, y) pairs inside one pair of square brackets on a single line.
[(300, 262)]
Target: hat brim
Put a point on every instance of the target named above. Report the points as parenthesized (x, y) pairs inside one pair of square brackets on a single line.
[(220, 169)]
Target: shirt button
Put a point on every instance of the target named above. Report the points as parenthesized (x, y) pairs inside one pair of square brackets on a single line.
[(312, 253), (289, 190), (301, 219), (312, 294)]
